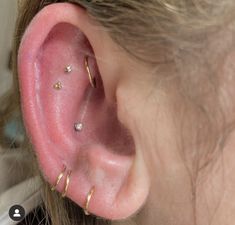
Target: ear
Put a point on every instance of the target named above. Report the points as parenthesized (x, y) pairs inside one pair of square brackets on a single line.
[(103, 153)]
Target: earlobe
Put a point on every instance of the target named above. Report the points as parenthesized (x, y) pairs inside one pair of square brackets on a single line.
[(83, 150)]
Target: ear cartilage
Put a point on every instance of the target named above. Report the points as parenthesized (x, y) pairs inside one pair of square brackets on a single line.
[(58, 86), (68, 69), (78, 127)]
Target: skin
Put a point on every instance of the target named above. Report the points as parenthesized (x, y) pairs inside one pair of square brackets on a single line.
[(129, 148)]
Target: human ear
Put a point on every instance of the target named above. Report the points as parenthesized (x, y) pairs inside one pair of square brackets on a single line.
[(56, 93)]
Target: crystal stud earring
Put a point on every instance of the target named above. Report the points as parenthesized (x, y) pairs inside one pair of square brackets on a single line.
[(68, 69), (78, 127)]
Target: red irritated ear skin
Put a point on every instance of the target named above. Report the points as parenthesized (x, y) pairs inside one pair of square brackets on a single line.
[(103, 155)]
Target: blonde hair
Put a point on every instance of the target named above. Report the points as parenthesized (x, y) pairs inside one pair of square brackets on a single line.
[(182, 31)]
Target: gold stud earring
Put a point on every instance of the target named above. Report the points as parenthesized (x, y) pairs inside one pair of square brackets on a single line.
[(58, 86), (58, 179), (91, 78), (88, 199)]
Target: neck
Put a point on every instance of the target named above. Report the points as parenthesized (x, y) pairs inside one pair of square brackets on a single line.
[(173, 201), (176, 200), (215, 188)]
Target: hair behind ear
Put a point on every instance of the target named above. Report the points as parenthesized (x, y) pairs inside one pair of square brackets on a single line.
[(66, 212)]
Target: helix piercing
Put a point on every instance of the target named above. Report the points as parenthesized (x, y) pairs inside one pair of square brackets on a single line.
[(59, 179), (58, 86), (91, 79), (68, 69), (88, 199), (78, 127), (67, 184)]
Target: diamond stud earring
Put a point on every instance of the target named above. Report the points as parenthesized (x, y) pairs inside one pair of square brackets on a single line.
[(68, 69), (78, 127)]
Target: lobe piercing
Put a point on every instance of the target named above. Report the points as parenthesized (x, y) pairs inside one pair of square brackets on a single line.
[(91, 79), (78, 127), (58, 85), (68, 69), (59, 179), (67, 184), (88, 199)]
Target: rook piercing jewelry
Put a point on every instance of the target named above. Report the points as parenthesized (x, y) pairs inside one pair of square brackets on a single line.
[(59, 179), (68, 69), (91, 79), (88, 199), (58, 85), (78, 127), (67, 184)]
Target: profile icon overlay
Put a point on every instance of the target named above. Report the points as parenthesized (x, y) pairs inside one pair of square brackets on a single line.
[(17, 213)]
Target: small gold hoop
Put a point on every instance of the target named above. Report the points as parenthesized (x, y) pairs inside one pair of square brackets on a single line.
[(67, 184), (88, 199), (59, 179), (91, 79)]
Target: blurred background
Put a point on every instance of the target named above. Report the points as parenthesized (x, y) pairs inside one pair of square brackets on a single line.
[(8, 13), (14, 164), (12, 131)]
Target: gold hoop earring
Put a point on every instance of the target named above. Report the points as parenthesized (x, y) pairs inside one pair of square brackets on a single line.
[(58, 179), (67, 184), (91, 78), (88, 199)]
